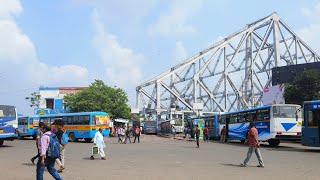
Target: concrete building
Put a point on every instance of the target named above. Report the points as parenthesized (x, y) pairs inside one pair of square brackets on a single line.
[(52, 97)]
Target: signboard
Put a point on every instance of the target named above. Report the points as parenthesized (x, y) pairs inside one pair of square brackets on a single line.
[(273, 95), (102, 120)]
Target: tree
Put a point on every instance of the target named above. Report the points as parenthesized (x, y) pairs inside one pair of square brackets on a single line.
[(305, 87), (100, 97), (34, 99)]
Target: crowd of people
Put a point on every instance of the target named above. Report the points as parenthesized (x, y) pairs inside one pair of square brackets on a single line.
[(51, 145), (125, 133)]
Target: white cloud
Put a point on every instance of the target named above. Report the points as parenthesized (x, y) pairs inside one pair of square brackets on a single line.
[(122, 64), (177, 20), (21, 71), (311, 33), (180, 52)]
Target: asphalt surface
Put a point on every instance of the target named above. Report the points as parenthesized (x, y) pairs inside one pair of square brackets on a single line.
[(165, 158)]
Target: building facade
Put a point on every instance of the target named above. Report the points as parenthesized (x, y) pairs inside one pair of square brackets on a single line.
[(52, 97)]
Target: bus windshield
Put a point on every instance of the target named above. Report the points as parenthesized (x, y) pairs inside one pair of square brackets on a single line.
[(286, 112), (178, 122), (102, 120), (7, 111)]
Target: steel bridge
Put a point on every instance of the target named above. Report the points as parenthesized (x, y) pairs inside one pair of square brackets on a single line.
[(231, 74)]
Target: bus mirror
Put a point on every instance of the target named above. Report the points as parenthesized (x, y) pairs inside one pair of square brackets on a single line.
[(296, 116)]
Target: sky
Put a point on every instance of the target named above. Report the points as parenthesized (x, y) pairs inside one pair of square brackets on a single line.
[(122, 42)]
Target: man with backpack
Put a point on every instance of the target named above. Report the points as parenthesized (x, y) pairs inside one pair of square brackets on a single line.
[(49, 149), (63, 140)]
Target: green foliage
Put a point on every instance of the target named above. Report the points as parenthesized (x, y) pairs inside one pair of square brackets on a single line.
[(305, 87), (34, 99), (100, 97)]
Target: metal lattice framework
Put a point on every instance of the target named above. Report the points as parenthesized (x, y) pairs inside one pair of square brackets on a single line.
[(231, 74)]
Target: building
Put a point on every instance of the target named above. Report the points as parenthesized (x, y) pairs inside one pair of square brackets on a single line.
[(52, 97)]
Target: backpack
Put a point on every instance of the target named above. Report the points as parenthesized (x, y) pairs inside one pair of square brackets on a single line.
[(65, 139), (53, 151)]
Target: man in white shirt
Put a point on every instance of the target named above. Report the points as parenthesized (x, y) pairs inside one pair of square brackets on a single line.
[(99, 142)]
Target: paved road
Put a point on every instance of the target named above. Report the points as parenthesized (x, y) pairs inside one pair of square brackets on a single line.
[(162, 158)]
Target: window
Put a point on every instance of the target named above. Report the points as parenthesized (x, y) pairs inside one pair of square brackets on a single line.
[(84, 120), (70, 120), (263, 115), (65, 120), (313, 118), (22, 121), (7, 111), (222, 119), (243, 117), (76, 120), (285, 112), (233, 118)]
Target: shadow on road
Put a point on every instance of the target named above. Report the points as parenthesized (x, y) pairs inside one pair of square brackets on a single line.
[(28, 164), (6, 146), (235, 165)]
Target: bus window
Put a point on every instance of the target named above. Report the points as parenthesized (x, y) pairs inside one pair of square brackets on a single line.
[(65, 120), (263, 115), (76, 120), (84, 120), (285, 111), (222, 119), (233, 119), (70, 120), (313, 117), (242, 117)]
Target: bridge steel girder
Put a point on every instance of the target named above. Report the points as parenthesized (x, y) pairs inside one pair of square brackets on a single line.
[(232, 73)]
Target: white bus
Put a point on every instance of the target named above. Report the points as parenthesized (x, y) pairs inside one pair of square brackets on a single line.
[(274, 123)]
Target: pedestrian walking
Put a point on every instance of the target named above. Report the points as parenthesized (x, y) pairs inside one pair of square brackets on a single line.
[(38, 137), (197, 133), (206, 134), (223, 134), (99, 142), (137, 134), (128, 134), (185, 130), (49, 151), (254, 145), (63, 140), (173, 130)]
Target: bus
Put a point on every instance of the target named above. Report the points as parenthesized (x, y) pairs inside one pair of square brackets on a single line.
[(8, 123), (27, 126), (311, 123), (150, 127), (178, 124), (274, 123), (212, 122), (82, 125)]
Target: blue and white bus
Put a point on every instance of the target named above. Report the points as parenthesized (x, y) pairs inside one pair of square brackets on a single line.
[(8, 123), (27, 126), (311, 124), (274, 123)]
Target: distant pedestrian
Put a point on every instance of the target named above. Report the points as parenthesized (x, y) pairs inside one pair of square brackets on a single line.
[(38, 138), (206, 134), (128, 134), (254, 145), (223, 134), (173, 130), (185, 130), (99, 142), (197, 134), (63, 140), (137, 134), (48, 154)]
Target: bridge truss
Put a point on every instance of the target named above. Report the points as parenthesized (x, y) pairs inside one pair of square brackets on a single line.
[(231, 74)]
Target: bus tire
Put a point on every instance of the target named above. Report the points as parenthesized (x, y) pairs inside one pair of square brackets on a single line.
[(242, 141), (87, 140), (34, 137), (274, 142), (72, 137), (1, 142)]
